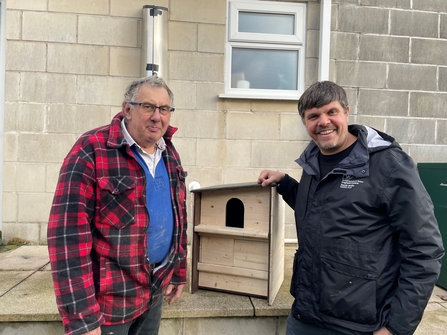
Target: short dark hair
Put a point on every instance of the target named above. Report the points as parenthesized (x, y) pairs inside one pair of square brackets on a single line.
[(322, 93)]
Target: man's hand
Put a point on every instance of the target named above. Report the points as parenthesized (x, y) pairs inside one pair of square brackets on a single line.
[(173, 292), (268, 176), (96, 331), (382, 331)]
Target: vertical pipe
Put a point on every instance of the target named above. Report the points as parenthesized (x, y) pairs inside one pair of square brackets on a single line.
[(2, 101), (325, 39)]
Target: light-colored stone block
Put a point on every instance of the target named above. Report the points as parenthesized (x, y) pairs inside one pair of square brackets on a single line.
[(205, 176), (211, 38), (9, 176), (276, 155), (34, 207), (133, 8), (27, 5), (27, 117), (443, 26), (274, 106), (108, 31), (79, 6), (313, 16), (223, 153), (428, 153), (404, 4), (384, 49), (374, 122), (292, 128), (442, 80), (412, 130), (356, 19), (125, 62), (430, 5), (254, 126), (237, 175), (48, 87), (10, 145), (196, 66), (186, 147), (184, 95), (13, 25), (412, 77), (50, 148), (210, 11), (30, 177), (344, 45), (441, 132), (52, 175), (13, 86), (26, 56), (199, 124), (24, 231), (9, 207), (61, 29), (414, 23), (76, 119), (312, 43), (79, 59), (311, 73), (383, 103), (361, 74), (98, 90), (182, 36), (436, 56)]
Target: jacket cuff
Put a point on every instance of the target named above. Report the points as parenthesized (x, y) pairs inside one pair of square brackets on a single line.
[(79, 324)]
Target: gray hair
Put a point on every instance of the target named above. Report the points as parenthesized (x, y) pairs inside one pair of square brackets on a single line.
[(322, 93), (152, 81)]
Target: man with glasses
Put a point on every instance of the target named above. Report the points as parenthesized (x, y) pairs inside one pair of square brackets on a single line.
[(117, 228)]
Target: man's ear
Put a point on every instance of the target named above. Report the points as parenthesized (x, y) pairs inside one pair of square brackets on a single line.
[(126, 110)]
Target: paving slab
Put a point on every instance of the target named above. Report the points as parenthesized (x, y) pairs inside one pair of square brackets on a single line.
[(9, 279), (205, 303), (31, 300), (434, 321), (24, 258), (281, 305)]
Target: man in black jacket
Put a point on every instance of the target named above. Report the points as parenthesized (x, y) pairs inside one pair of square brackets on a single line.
[(369, 245)]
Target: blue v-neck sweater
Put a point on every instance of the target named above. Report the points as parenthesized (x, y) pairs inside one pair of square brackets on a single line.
[(161, 218)]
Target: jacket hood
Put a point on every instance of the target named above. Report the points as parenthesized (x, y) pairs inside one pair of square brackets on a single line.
[(369, 140)]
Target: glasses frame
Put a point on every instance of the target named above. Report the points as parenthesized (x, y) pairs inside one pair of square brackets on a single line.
[(170, 109)]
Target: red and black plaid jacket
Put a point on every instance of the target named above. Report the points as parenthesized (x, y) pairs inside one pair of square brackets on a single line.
[(97, 232)]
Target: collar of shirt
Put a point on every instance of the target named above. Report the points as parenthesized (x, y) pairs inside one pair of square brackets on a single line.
[(151, 160)]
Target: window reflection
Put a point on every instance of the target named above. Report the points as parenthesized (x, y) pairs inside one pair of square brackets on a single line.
[(264, 69), (265, 23)]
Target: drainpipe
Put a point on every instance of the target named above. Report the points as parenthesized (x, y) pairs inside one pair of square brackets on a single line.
[(2, 101), (325, 39)]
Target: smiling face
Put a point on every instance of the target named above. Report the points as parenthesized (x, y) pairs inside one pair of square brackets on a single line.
[(328, 127), (147, 128)]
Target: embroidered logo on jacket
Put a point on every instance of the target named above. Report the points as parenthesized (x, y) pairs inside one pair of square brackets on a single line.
[(348, 182)]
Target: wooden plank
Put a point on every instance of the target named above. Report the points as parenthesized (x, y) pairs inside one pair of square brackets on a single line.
[(216, 250), (195, 244), (251, 254), (230, 283), (231, 232), (232, 271), (255, 201), (276, 254)]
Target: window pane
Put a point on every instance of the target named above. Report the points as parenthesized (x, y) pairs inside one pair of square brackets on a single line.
[(265, 23), (264, 69)]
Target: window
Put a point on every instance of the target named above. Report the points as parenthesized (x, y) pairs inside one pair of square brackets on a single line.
[(264, 56)]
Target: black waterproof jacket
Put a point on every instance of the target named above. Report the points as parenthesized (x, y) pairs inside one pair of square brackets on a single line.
[(369, 245)]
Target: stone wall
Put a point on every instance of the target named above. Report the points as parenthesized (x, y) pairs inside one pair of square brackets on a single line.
[(68, 63)]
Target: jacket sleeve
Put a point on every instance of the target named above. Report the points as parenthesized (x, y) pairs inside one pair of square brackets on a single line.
[(288, 189), (412, 215), (70, 244)]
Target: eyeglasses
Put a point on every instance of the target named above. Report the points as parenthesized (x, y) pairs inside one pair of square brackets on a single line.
[(148, 108)]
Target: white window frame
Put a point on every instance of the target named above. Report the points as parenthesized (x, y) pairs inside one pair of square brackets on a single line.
[(236, 39)]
